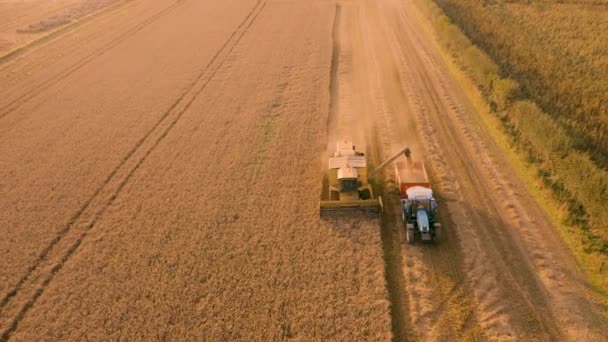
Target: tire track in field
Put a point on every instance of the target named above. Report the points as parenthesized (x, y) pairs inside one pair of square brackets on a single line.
[(450, 191), (334, 91), (396, 282), (436, 302), (347, 77), (539, 270), (40, 87), (527, 297), (535, 261), (29, 17), (449, 185), (544, 255), (106, 181), (365, 80), (65, 29), (500, 243), (54, 45), (384, 140), (21, 299), (450, 309), (7, 23)]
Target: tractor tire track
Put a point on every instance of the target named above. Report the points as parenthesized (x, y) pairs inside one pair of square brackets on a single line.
[(334, 82), (32, 285), (67, 29), (545, 259), (112, 174), (7, 23), (522, 215), (345, 119), (433, 125), (502, 244), (448, 190), (392, 236), (509, 271), (35, 91), (437, 305)]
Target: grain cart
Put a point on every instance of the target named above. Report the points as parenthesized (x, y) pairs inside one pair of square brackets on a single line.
[(419, 208)]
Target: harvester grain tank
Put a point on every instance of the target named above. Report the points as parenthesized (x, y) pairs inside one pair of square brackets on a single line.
[(418, 205)]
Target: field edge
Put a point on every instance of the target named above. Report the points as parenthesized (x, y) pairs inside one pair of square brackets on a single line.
[(589, 264)]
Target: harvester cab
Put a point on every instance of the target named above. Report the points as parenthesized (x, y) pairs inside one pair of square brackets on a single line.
[(349, 186)]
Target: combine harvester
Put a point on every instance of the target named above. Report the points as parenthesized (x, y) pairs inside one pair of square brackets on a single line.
[(419, 208), (349, 186), (350, 189)]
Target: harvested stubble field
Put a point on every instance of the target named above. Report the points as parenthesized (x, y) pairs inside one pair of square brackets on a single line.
[(160, 172)]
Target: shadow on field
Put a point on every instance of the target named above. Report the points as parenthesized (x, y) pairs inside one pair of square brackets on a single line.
[(513, 283)]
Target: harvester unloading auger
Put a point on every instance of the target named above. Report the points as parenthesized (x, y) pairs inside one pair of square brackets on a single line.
[(349, 186)]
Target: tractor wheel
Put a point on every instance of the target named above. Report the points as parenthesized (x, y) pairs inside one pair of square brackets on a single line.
[(411, 236), (437, 232)]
